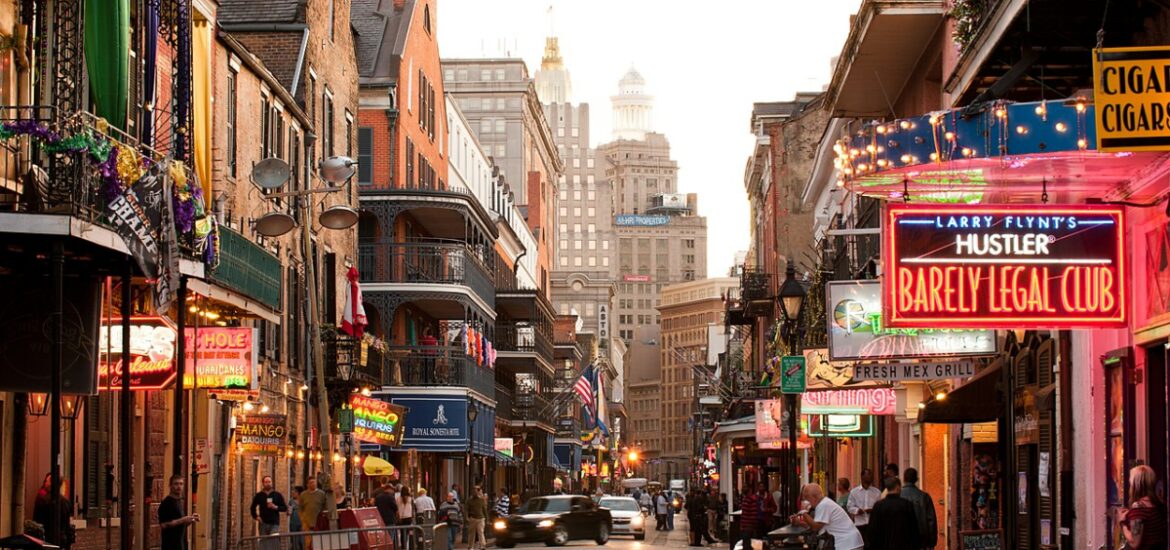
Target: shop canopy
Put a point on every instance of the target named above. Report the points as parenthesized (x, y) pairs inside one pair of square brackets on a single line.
[(978, 400)]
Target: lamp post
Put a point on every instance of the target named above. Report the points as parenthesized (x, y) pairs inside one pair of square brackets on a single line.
[(272, 174), (472, 414), (791, 298)]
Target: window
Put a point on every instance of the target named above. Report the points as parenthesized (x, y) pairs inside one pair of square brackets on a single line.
[(563, 194), (501, 150), (231, 123), (605, 261), (591, 210), (589, 178), (577, 261), (576, 131), (576, 179), (560, 132), (485, 74), (577, 244), (592, 228), (564, 261), (564, 245), (486, 103), (564, 228), (592, 245), (576, 163), (265, 127), (577, 211), (589, 164), (409, 164), (427, 18), (576, 194), (327, 123), (499, 74), (577, 228), (592, 197), (348, 134), (485, 126), (564, 211), (500, 126), (461, 74), (365, 155), (449, 74), (593, 261), (501, 104), (331, 18)]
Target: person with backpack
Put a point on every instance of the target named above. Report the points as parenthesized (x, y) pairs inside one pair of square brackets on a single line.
[(450, 514), (923, 509)]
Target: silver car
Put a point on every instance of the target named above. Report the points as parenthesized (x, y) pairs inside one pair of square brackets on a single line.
[(627, 516)]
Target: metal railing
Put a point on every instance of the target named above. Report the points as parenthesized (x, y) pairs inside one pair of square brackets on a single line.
[(437, 366), (504, 403), (399, 537), (523, 338), (425, 263)]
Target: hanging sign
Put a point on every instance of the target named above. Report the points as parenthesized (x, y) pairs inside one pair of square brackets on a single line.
[(504, 446), (792, 374), (226, 358), (771, 423), (152, 354), (377, 421), (1131, 91), (879, 401), (1012, 267), (262, 434), (856, 330), (897, 371)]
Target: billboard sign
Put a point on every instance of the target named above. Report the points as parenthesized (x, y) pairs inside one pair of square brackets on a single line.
[(1010, 267), (640, 220), (856, 330), (636, 278)]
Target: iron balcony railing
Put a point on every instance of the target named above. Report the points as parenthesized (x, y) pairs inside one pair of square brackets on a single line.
[(523, 338), (504, 404), (425, 263), (444, 366)]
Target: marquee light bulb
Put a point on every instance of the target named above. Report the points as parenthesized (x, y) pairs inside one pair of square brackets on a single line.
[(1081, 143), (1061, 127), (248, 406), (941, 396), (1022, 130)]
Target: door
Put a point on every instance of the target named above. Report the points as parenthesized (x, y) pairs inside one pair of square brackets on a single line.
[(1119, 447)]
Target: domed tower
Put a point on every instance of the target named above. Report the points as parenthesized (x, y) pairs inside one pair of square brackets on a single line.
[(633, 109)]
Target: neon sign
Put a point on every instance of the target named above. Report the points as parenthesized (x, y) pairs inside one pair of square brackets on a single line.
[(152, 354), (262, 434), (879, 401), (1013, 267), (376, 421), (226, 358)]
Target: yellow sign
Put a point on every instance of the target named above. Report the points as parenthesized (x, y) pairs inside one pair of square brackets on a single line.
[(1132, 96)]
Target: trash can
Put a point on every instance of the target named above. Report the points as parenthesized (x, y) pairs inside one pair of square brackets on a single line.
[(733, 529), (25, 542), (439, 540)]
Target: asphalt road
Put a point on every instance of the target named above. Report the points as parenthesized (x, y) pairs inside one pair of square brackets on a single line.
[(654, 540)]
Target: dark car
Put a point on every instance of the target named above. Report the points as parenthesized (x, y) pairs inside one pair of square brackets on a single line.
[(554, 520)]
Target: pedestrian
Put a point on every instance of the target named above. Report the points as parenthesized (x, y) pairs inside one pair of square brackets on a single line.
[(558, 487), (923, 509), (843, 492), (476, 517), (404, 502), (893, 525), (386, 504), (861, 501), (171, 519), (670, 510), (311, 504), (43, 511), (827, 518), (703, 529), (750, 510), (891, 470), (340, 497), (424, 507), (660, 505), (1143, 523), (769, 510), (503, 507), (450, 514), (712, 513), (637, 494), (776, 511), (646, 502), (294, 518), (267, 504), (458, 494)]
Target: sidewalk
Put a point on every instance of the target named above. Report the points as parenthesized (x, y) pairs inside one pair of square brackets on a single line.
[(678, 538)]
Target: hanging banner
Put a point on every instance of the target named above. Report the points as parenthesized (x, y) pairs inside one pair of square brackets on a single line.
[(142, 216), (1131, 94), (376, 421), (226, 358), (1012, 267), (880, 401), (856, 331), (152, 354), (262, 434)]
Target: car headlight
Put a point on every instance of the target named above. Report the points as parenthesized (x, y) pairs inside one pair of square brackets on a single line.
[(500, 525), (545, 523), (636, 521)]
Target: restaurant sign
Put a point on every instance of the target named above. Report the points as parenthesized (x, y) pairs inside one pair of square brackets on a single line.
[(856, 330), (1011, 267), (1131, 91), (152, 354), (226, 358), (376, 421), (505, 446), (262, 434), (898, 371), (879, 401)]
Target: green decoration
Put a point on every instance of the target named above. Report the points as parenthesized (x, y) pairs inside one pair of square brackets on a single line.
[(107, 47)]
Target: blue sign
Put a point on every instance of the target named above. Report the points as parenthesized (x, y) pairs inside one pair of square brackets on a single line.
[(434, 423), (639, 219)]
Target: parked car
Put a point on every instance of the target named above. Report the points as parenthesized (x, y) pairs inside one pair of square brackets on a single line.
[(555, 520), (627, 516)]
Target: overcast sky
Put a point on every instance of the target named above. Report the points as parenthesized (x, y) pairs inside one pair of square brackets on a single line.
[(705, 61)]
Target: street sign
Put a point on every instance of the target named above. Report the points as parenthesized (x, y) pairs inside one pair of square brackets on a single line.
[(201, 461), (345, 421), (792, 378)]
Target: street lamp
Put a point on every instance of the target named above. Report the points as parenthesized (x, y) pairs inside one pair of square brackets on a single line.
[(791, 299), (38, 404), (791, 295), (472, 414)]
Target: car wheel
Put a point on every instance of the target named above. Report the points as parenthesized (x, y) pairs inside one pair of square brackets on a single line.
[(558, 537), (602, 534), (640, 536), (505, 543)]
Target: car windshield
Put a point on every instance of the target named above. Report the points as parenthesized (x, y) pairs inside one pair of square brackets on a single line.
[(538, 505), (620, 504)]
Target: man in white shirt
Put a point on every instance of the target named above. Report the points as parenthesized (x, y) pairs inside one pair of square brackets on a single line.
[(828, 517), (861, 501)]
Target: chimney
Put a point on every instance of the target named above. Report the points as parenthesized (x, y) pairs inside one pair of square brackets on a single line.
[(399, 5)]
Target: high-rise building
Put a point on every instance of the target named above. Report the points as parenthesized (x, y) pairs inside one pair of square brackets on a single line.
[(643, 376), (633, 108), (552, 80), (688, 309)]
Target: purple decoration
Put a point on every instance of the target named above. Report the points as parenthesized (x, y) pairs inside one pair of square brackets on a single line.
[(108, 172)]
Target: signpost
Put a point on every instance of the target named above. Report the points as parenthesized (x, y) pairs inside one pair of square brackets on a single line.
[(1011, 267), (792, 379), (1131, 93)]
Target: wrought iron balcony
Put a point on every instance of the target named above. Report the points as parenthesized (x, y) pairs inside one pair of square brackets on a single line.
[(425, 263), (523, 338), (445, 366), (247, 268), (756, 292), (504, 404)]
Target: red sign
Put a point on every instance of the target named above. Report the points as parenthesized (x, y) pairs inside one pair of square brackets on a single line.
[(226, 358), (636, 278), (853, 401), (377, 421), (1012, 267), (152, 354)]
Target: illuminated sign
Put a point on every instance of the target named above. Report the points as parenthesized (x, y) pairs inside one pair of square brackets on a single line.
[(152, 353), (893, 372), (880, 401), (856, 331), (636, 278), (640, 220), (823, 374), (771, 423), (262, 434), (1012, 267), (226, 358), (504, 446), (840, 425), (1131, 91), (376, 421)]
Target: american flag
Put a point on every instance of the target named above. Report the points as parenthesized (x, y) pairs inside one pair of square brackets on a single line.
[(584, 389)]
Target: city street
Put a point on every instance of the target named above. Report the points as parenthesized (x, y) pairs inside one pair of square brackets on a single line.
[(676, 538)]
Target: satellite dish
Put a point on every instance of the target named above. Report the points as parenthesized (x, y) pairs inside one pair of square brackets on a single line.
[(338, 217), (337, 169), (275, 224), (270, 173)]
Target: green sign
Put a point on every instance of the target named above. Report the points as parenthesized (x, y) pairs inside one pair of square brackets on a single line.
[(345, 421), (792, 374)]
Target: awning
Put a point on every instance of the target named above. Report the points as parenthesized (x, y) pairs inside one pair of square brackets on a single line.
[(739, 427), (978, 400), (502, 458), (563, 455)]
